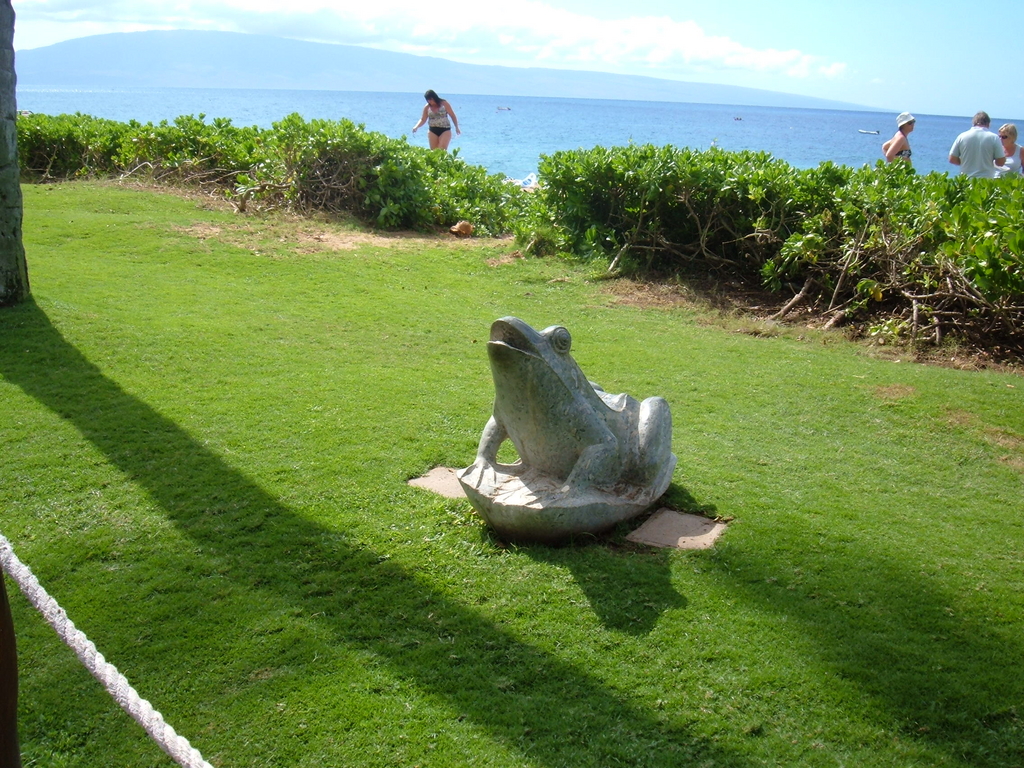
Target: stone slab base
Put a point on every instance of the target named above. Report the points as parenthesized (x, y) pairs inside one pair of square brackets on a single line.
[(667, 528), (441, 480)]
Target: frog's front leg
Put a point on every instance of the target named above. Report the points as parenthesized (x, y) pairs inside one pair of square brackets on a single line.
[(486, 469), (490, 441)]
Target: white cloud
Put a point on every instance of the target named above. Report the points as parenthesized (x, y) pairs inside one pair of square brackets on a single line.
[(833, 70), (514, 32)]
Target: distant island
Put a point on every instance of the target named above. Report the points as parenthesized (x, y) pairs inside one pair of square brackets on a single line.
[(197, 59)]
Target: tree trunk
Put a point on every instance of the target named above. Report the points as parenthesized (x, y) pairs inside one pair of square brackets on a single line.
[(13, 269), (10, 756)]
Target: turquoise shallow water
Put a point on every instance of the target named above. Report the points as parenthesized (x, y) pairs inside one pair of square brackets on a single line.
[(510, 141)]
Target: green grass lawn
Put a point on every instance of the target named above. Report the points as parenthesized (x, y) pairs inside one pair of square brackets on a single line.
[(207, 423)]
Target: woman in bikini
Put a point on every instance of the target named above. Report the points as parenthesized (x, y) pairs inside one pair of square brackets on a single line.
[(437, 113), (898, 146)]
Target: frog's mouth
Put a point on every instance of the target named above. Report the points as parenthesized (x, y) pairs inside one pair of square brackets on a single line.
[(511, 333)]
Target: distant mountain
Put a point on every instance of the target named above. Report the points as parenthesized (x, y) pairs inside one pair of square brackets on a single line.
[(194, 59)]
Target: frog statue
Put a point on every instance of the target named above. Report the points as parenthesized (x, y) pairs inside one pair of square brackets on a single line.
[(587, 459)]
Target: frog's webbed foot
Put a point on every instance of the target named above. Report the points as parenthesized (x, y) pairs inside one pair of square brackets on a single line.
[(485, 474)]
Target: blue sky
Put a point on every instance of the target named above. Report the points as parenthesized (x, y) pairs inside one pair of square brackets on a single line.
[(922, 57)]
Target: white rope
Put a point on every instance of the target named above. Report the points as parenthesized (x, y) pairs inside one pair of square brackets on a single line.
[(117, 686)]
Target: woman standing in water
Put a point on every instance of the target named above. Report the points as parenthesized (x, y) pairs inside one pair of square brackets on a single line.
[(437, 113), (898, 145)]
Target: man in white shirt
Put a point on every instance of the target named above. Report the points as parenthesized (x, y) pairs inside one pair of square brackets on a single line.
[(978, 151)]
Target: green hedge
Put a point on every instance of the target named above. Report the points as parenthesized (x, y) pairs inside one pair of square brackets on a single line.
[(929, 254), (916, 255), (319, 165), (67, 146)]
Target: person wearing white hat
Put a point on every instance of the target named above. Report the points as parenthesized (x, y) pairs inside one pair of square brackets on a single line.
[(899, 146)]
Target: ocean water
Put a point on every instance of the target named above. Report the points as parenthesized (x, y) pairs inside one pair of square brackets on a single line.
[(508, 134)]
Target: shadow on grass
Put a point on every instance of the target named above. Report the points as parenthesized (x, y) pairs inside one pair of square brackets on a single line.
[(628, 594), (681, 500), (878, 623), (545, 707)]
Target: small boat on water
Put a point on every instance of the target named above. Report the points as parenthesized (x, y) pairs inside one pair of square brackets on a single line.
[(873, 133)]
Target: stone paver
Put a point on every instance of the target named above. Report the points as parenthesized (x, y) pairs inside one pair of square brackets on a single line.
[(667, 528), (440, 480)]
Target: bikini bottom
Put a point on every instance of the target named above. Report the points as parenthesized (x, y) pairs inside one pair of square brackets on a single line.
[(438, 131)]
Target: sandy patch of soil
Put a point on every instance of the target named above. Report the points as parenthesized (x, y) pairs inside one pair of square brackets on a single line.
[(507, 258), (299, 236), (895, 392), (1003, 439)]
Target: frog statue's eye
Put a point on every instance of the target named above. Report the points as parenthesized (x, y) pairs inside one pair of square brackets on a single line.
[(561, 341)]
